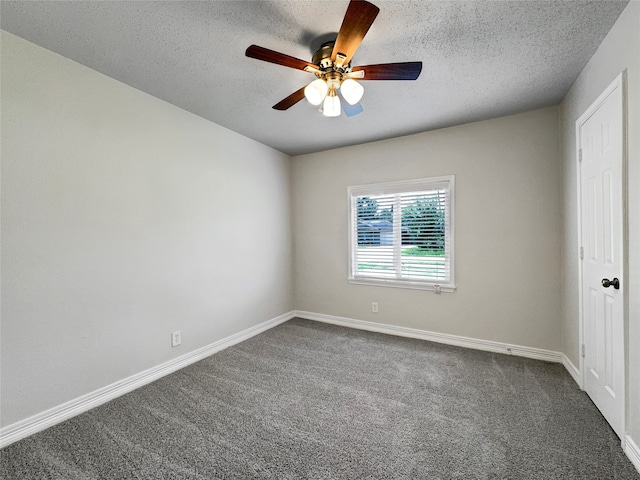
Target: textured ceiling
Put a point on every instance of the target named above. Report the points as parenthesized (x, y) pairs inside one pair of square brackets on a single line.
[(481, 59)]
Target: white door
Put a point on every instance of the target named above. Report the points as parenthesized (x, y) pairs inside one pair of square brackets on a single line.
[(600, 132)]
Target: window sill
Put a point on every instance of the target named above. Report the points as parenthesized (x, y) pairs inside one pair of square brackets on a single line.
[(448, 288)]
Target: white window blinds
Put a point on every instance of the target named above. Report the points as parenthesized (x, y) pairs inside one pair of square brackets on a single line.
[(401, 233)]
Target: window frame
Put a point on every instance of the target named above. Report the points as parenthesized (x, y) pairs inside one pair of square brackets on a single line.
[(398, 187)]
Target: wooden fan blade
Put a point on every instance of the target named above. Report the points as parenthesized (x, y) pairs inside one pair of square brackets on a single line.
[(390, 71), (359, 17), (271, 56), (291, 100)]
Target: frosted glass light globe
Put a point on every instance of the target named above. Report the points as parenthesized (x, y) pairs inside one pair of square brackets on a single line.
[(331, 106), (316, 91), (351, 91)]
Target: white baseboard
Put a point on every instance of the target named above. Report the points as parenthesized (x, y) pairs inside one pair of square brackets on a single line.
[(477, 344), (633, 451), (573, 370), (19, 430)]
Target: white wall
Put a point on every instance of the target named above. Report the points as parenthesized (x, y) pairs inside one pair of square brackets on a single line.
[(507, 221), (620, 50), (124, 218)]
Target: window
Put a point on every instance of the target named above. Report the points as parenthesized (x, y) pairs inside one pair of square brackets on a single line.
[(401, 234)]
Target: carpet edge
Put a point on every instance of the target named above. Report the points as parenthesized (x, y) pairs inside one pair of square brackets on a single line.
[(43, 420), (448, 339)]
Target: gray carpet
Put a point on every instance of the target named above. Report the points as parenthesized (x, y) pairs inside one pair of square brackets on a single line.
[(309, 400)]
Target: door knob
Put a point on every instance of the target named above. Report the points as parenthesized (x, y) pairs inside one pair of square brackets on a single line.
[(606, 283)]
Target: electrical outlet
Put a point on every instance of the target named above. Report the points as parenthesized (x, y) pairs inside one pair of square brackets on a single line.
[(374, 307), (176, 338)]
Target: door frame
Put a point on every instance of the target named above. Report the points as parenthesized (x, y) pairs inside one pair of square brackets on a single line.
[(619, 82)]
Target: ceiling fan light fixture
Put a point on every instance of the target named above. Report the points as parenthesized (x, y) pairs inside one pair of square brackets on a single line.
[(316, 91), (331, 64), (351, 91), (331, 105)]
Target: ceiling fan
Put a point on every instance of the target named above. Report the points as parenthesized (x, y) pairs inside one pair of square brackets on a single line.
[(331, 64)]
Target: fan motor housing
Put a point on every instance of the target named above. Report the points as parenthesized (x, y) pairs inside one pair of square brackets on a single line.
[(322, 58)]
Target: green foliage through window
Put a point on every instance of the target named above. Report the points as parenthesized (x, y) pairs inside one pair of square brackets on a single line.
[(423, 223)]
